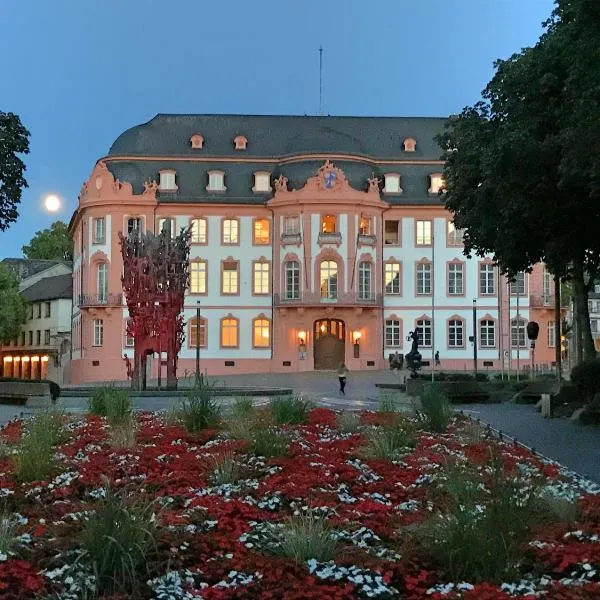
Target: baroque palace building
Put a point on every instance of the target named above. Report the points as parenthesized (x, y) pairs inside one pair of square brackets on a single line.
[(315, 241)]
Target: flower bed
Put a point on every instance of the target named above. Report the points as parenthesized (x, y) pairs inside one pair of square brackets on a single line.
[(223, 521)]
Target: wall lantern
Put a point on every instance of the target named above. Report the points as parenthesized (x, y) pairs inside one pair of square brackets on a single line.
[(356, 336), (302, 337)]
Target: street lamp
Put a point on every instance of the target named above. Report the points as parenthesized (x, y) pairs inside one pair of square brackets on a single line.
[(475, 335), (198, 374)]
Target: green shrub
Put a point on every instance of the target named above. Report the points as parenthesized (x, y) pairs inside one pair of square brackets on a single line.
[(117, 540), (269, 442), (436, 408), (199, 410), (110, 402), (348, 421), (387, 402), (290, 411), (391, 442), (586, 376), (242, 407)]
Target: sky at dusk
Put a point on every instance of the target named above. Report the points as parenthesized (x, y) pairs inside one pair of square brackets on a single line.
[(79, 72)]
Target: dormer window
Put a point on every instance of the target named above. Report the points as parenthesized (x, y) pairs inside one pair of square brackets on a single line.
[(240, 142), (216, 181), (197, 141), (436, 183), (262, 182), (410, 144), (167, 181), (392, 184)]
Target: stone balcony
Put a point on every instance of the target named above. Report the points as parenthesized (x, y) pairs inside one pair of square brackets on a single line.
[(291, 239), (332, 239), (367, 239), (342, 299), (545, 301), (100, 300)]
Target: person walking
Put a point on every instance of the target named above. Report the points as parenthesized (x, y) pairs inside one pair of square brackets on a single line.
[(437, 358), (342, 374)]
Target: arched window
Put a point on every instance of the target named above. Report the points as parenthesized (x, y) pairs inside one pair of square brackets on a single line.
[(329, 273), (229, 332), (196, 330), (365, 270), (261, 333), (292, 280)]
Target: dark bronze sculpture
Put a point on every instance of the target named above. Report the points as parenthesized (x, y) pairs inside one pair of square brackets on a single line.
[(413, 358)]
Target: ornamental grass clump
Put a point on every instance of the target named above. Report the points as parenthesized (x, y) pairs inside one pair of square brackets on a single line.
[(110, 402), (117, 540), (269, 442), (348, 421), (8, 535), (436, 410), (199, 410), (123, 434), (242, 407), (290, 410), (226, 469), (392, 441)]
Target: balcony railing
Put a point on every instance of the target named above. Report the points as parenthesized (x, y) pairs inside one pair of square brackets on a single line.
[(291, 239), (315, 299), (545, 301), (87, 300), (365, 239), (330, 238)]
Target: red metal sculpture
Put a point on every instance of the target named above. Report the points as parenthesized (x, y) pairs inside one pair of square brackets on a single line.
[(155, 278)]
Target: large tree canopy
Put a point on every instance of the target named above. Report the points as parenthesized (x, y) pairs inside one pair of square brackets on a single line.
[(518, 177), (53, 243), (14, 140), (13, 306)]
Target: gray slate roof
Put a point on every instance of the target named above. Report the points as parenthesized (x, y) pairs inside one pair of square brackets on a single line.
[(365, 139), (50, 288), (25, 267)]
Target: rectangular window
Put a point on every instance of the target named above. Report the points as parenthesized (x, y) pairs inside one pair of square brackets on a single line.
[(99, 232), (167, 180), (216, 181), (46, 337), (167, 224), (517, 333), (22, 338), (261, 334), (594, 325), (102, 282), (197, 329), (392, 233), (231, 233), (455, 333), (262, 278), (487, 279), (392, 184), (392, 278), (424, 330), (230, 278), (198, 277), (487, 333), (548, 287), (423, 233), (31, 311), (129, 339), (262, 182), (38, 337), (291, 225), (199, 231), (551, 334), (229, 333), (39, 310), (455, 236), (517, 287), (262, 231), (47, 309), (31, 338), (328, 224), (364, 280), (292, 280), (364, 226), (392, 333), (455, 279), (134, 224), (98, 332), (424, 279)]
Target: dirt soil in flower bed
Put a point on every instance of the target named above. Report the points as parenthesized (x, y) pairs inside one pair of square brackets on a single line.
[(223, 540)]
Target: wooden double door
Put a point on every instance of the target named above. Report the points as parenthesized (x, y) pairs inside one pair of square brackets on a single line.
[(329, 350)]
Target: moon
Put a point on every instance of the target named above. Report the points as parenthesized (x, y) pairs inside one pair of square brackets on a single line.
[(52, 203)]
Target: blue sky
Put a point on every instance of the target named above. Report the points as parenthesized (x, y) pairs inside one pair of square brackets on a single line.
[(80, 72)]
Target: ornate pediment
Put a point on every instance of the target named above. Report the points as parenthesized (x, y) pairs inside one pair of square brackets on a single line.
[(102, 184)]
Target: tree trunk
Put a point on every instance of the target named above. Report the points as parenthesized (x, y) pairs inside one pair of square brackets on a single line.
[(586, 349), (171, 367), (557, 328)]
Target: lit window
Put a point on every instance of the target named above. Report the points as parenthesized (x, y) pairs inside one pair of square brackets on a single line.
[(262, 231), (392, 333), (292, 280), (99, 231), (261, 278), (262, 182), (98, 332), (261, 335), (328, 224), (424, 332), (487, 333), (291, 225), (487, 279), (517, 286), (231, 229), (392, 278), (423, 233), (455, 279), (517, 333), (364, 227), (198, 277), (329, 273), (392, 233), (455, 236), (365, 270), (196, 328), (392, 184), (102, 282), (456, 333), (424, 279), (436, 183), (551, 334), (129, 340), (230, 278), (199, 231), (229, 333), (216, 181), (167, 181)]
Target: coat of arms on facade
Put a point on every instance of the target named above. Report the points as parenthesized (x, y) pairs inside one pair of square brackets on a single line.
[(330, 177)]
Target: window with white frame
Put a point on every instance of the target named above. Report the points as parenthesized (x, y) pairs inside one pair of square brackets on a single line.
[(391, 274), (392, 184), (329, 275), (46, 337), (262, 277), (262, 182), (423, 233), (292, 280), (291, 225), (198, 279), (594, 325), (423, 327), (129, 339), (102, 282), (456, 279), (134, 224), (487, 333), (487, 279), (216, 181), (517, 287), (230, 332), (261, 333), (455, 236), (548, 287), (391, 232), (231, 231), (551, 334), (365, 270), (456, 337), (436, 183), (99, 231), (98, 325), (365, 225), (424, 279), (392, 333), (167, 224), (167, 181), (517, 333), (230, 283), (199, 231)]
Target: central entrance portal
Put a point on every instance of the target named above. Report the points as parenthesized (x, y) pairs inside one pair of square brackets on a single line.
[(329, 349)]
